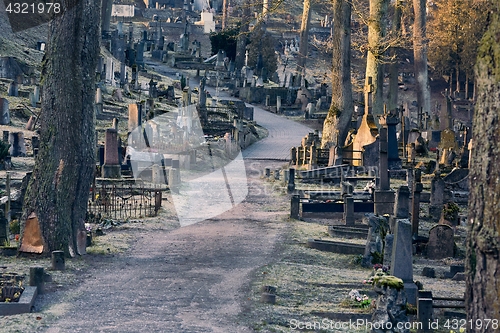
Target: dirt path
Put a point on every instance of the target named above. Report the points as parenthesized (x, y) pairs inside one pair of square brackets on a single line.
[(189, 279)]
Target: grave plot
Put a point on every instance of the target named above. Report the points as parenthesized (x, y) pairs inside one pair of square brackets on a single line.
[(398, 234), (16, 295)]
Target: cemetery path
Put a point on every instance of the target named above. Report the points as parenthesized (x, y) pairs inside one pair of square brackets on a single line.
[(190, 279), (283, 132)]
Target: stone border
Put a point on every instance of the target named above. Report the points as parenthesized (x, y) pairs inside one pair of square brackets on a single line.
[(337, 247), (24, 304)]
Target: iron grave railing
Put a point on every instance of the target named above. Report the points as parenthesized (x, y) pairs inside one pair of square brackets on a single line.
[(122, 199)]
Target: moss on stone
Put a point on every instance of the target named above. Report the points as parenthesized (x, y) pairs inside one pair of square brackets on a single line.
[(388, 281)]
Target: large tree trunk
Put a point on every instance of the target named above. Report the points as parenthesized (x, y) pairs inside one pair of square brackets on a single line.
[(304, 37), (483, 244), (224, 14), (374, 61), (59, 188), (336, 125), (392, 95), (420, 56)]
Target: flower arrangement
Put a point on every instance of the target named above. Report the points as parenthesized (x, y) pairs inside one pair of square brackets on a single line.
[(359, 300)]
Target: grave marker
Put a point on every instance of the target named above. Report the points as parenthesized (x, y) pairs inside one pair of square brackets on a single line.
[(4, 112), (441, 243), (111, 167), (402, 262)]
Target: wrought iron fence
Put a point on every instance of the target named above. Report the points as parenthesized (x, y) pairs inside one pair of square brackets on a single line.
[(120, 200)]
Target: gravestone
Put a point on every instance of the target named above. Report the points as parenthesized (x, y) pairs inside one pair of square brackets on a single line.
[(291, 180), (448, 140), (4, 228), (111, 167), (134, 116), (374, 244), (388, 243), (415, 204), (383, 196), (4, 112), (17, 146), (390, 311), (441, 243), (402, 258), (390, 120), (349, 210), (437, 197), (402, 206), (13, 89)]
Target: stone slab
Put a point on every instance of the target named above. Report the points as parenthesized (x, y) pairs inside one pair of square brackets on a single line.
[(336, 247)]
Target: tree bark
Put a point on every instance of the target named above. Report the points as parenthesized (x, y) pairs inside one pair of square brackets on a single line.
[(392, 95), (420, 56), (304, 37), (336, 125), (224, 14), (374, 61), (59, 188), (482, 294)]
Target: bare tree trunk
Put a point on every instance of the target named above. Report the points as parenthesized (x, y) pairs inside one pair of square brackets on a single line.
[(374, 61), (59, 188), (241, 43), (224, 14), (304, 37), (336, 125), (392, 96), (482, 292), (420, 56)]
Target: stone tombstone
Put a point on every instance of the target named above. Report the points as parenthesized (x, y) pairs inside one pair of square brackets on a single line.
[(448, 140), (402, 258), (441, 243), (291, 180), (17, 146), (374, 243), (4, 112), (390, 311), (111, 166), (402, 206), (4, 228), (98, 95), (388, 243), (349, 210), (402, 251), (415, 210), (390, 120), (134, 116), (437, 197), (13, 89), (117, 95)]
